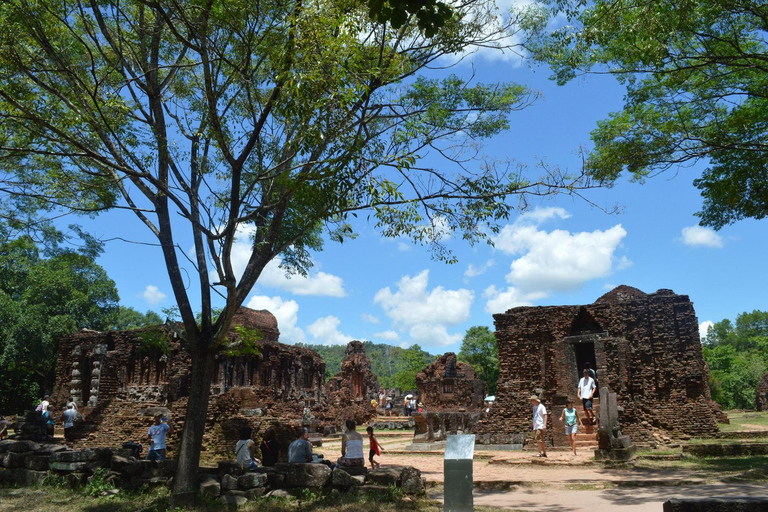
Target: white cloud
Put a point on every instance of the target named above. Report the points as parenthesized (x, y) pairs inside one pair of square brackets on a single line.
[(316, 283), (326, 331), (153, 295), (287, 314), (500, 301), (704, 327), (371, 319), (474, 271), (387, 336), (551, 261), (695, 236), (557, 260), (425, 314)]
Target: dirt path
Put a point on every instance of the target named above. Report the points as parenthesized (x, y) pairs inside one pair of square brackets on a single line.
[(516, 480)]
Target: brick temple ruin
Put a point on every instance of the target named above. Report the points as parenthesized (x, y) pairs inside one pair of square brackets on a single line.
[(644, 347), (450, 385), (761, 394), (120, 379), (350, 391)]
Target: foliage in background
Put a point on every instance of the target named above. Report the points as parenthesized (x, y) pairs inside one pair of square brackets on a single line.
[(479, 349), (738, 358), (128, 318), (696, 75), (42, 299), (394, 366)]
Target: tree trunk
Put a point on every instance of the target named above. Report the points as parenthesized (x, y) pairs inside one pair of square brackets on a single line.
[(185, 483)]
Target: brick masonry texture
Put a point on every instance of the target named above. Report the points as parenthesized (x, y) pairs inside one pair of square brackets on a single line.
[(644, 347), (450, 385), (121, 379), (761, 394)]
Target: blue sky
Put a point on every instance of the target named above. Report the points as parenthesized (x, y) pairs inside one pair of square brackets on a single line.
[(561, 251)]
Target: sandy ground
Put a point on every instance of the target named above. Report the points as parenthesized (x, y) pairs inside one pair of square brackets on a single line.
[(517, 480)]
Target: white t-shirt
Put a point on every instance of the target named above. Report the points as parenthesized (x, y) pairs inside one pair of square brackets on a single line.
[(586, 385), (69, 418), (539, 417), (158, 436)]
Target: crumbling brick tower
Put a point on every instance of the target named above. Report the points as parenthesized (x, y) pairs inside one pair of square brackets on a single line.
[(645, 347), (450, 385), (761, 394), (351, 390)]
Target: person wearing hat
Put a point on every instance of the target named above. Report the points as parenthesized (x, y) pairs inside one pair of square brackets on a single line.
[(421, 406), (539, 424)]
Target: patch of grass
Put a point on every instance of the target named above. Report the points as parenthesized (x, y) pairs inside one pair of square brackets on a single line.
[(745, 420), (592, 486)]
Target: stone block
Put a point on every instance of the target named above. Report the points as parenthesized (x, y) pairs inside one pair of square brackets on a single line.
[(5, 444), (68, 466), (384, 476), (30, 477), (71, 456), (341, 478), (230, 467), (75, 479), (119, 463), (37, 462), (210, 486), (14, 460), (355, 470), (251, 480), (228, 482), (232, 500), (255, 493), (306, 475), (168, 467), (414, 485)]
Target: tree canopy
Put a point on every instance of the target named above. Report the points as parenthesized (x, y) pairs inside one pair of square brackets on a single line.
[(479, 349), (696, 74), (738, 358), (42, 299), (274, 122)]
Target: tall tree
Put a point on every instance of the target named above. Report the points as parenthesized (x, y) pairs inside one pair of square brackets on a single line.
[(266, 121), (128, 318), (696, 74), (479, 349), (42, 299)]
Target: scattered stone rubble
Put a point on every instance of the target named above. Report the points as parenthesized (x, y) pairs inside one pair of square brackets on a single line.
[(29, 463)]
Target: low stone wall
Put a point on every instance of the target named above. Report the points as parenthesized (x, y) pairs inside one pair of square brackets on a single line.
[(726, 450), (30, 463)]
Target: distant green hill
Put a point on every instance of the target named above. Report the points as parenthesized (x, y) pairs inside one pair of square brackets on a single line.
[(394, 366)]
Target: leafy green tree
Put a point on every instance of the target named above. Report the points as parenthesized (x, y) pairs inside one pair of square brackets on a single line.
[(479, 349), (696, 79), (272, 122), (414, 360), (42, 299), (738, 358), (128, 318)]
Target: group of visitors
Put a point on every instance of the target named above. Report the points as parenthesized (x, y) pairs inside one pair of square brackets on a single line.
[(569, 417), (70, 416)]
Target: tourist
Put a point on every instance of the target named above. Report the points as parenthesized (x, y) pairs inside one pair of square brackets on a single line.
[(382, 397), (421, 406), (406, 408), (245, 450), (593, 374), (539, 424), (71, 401), (48, 419), (375, 448), (300, 451), (68, 418), (571, 419), (270, 448), (351, 446), (412, 405), (156, 435), (3, 428), (586, 392), (43, 405), (388, 407), (374, 403)]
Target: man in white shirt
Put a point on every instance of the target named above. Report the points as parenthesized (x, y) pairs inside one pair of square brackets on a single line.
[(586, 392), (156, 435), (539, 424)]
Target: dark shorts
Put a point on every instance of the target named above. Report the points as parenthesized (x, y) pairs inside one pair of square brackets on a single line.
[(371, 455), (156, 454), (587, 403)]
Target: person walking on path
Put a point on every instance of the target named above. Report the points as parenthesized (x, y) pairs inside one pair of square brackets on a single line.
[(586, 392), (539, 424), (375, 448), (571, 419)]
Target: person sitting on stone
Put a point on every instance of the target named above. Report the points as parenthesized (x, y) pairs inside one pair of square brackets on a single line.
[(245, 450), (300, 451), (270, 448), (351, 447)]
